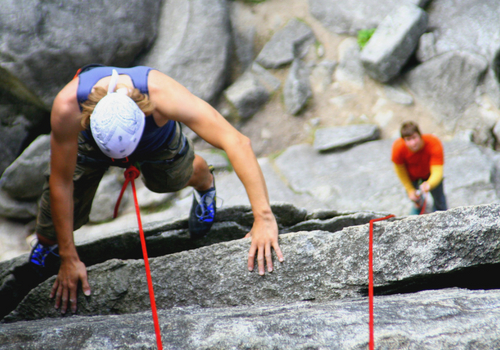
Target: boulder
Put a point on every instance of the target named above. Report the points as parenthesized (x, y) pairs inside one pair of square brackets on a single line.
[(15, 209), (24, 178), (440, 248), (251, 91), (42, 48), (13, 132), (244, 34), (393, 42), (293, 41), (297, 89), (185, 48), (328, 139), (448, 84), (455, 27)]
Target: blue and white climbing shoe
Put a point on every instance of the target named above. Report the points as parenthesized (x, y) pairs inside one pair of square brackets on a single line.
[(44, 259), (203, 211)]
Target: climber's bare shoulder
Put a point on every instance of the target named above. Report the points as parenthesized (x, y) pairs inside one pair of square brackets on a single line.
[(65, 115)]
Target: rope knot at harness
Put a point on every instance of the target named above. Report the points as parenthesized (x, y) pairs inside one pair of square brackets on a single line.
[(131, 173)]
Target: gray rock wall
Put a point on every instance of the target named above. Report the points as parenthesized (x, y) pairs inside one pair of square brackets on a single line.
[(436, 319), (316, 298), (45, 45), (185, 48), (319, 266)]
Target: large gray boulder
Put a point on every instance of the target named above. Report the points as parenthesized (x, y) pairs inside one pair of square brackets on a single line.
[(244, 34), (24, 179), (467, 25), (171, 236), (14, 129), (393, 42), (193, 44), (470, 25), (448, 83), (418, 248), (435, 319), (44, 43), (15, 209)]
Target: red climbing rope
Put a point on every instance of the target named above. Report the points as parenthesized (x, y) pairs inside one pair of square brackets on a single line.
[(422, 211), (132, 173), (370, 279)]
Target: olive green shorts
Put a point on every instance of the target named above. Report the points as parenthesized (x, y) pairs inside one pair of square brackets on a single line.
[(167, 169)]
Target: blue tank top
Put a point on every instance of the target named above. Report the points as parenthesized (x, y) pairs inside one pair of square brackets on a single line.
[(153, 136)]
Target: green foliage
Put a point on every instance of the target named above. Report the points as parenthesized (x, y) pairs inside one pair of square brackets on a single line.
[(364, 35)]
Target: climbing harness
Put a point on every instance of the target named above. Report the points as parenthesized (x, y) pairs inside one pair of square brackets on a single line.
[(132, 173), (370, 279)]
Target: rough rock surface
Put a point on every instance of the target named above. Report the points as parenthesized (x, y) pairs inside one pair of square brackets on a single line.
[(421, 247), (429, 320), (24, 178), (185, 48), (445, 83), (322, 294), (44, 43)]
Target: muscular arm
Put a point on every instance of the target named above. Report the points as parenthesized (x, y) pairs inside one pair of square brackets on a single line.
[(64, 147), (173, 101)]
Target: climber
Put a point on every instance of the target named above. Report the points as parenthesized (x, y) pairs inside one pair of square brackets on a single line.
[(121, 116), (418, 161)]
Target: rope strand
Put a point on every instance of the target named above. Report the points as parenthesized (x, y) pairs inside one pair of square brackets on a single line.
[(370, 280), (132, 173)]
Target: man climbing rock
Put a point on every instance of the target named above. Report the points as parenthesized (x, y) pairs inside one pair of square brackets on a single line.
[(110, 116), (418, 161)]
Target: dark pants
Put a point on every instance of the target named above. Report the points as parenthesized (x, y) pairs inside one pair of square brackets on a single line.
[(167, 169), (437, 194)]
